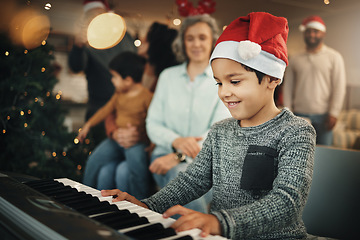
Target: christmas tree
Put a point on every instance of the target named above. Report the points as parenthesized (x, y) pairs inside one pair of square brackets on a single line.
[(33, 138)]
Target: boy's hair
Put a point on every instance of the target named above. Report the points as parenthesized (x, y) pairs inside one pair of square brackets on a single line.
[(259, 75), (128, 64)]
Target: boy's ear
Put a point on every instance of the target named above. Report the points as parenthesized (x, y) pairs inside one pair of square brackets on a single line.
[(271, 82)]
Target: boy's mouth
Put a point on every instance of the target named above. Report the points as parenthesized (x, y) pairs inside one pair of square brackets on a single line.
[(232, 104)]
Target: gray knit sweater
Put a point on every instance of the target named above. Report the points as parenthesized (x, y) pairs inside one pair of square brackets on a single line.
[(260, 177)]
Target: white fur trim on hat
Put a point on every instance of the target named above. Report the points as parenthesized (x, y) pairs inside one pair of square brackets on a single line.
[(91, 5), (313, 24), (264, 62)]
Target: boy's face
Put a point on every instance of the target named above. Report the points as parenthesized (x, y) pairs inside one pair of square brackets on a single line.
[(198, 42), (240, 91), (120, 84)]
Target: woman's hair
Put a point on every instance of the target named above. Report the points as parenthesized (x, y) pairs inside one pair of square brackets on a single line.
[(178, 45), (160, 54), (128, 64)]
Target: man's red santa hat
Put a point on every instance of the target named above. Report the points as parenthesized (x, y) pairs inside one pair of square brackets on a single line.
[(258, 41), (315, 22), (91, 4)]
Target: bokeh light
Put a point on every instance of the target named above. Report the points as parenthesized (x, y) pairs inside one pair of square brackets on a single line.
[(106, 30)]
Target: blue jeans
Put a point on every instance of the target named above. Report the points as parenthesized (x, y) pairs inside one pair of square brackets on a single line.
[(324, 136), (200, 204), (101, 167)]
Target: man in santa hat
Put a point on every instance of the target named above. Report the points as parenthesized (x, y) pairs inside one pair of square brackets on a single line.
[(315, 81), (259, 163)]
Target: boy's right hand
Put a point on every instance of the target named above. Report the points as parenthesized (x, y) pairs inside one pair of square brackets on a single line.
[(83, 132)]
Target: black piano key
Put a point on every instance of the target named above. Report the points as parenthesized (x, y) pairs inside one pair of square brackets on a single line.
[(123, 212), (101, 209), (154, 231), (132, 221), (69, 196), (187, 237)]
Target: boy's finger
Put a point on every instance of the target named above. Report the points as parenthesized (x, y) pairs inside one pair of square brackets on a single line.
[(176, 210)]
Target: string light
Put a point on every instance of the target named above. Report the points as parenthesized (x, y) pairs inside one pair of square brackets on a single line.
[(58, 96), (48, 94), (25, 125), (43, 42), (36, 99), (42, 104), (7, 53), (47, 6), (176, 21), (3, 131), (327, 2), (137, 42), (22, 113), (53, 154), (64, 154), (87, 141), (26, 51), (29, 111), (79, 167), (43, 133), (76, 141), (42, 69), (8, 118)]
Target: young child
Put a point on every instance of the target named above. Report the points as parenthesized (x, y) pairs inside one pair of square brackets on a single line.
[(130, 102), (260, 162)]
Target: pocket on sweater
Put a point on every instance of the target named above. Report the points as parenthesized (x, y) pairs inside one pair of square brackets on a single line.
[(259, 170)]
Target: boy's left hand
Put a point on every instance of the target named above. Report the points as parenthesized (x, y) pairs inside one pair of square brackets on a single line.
[(208, 223)]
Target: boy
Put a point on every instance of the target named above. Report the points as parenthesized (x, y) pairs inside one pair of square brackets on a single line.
[(130, 103), (259, 163)]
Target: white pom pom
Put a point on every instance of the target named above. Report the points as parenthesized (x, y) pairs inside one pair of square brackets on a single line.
[(248, 49)]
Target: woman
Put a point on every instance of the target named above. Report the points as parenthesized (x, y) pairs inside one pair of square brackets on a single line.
[(185, 104)]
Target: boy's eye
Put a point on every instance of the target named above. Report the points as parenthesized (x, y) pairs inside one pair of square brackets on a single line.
[(235, 82)]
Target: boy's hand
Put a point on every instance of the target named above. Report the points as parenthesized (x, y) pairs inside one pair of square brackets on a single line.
[(209, 224), (188, 145), (126, 137), (121, 196), (83, 132)]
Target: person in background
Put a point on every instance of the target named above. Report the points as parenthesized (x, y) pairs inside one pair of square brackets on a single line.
[(130, 101), (185, 104), (94, 63), (156, 48), (258, 163), (315, 81)]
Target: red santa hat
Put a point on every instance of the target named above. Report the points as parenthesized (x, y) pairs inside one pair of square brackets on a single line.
[(91, 4), (315, 22), (258, 41)]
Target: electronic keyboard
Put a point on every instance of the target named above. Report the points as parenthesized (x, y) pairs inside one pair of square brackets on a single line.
[(65, 209)]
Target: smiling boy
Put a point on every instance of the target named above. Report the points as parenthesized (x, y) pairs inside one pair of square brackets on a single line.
[(258, 163)]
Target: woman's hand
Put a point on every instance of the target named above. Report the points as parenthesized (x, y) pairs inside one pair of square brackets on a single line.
[(208, 223), (121, 196), (188, 145), (163, 164)]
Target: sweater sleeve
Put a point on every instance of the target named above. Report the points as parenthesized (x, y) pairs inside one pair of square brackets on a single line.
[(285, 202), (103, 112)]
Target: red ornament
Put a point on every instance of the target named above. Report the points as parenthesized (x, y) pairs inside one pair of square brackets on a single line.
[(186, 8)]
